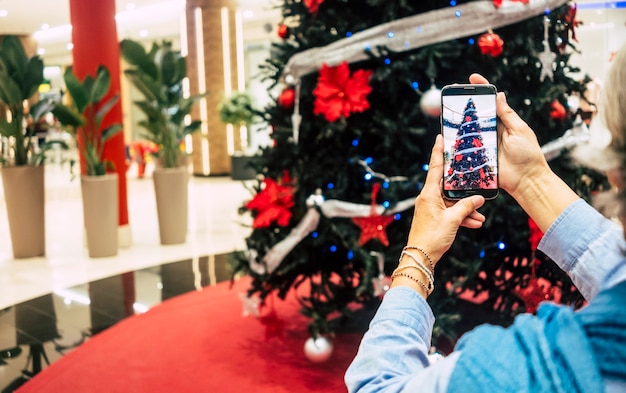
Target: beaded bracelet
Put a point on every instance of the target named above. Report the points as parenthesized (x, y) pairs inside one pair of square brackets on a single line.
[(428, 288), (419, 264), (430, 260)]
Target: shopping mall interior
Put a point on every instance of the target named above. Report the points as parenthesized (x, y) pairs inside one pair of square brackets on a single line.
[(52, 304)]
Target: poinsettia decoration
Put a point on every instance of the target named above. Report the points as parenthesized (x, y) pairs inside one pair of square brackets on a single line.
[(338, 94), (313, 5), (273, 203)]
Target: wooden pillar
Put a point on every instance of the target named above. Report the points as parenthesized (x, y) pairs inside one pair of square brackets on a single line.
[(213, 59), (95, 42)]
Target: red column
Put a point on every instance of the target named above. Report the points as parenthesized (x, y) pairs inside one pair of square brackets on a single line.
[(94, 35)]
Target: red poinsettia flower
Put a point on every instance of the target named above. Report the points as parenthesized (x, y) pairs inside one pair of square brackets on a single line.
[(477, 143), (272, 204), (313, 5), (337, 94)]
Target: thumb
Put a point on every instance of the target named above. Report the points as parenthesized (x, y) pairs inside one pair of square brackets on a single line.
[(467, 206)]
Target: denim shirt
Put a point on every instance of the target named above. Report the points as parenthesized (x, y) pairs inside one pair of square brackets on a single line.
[(393, 355)]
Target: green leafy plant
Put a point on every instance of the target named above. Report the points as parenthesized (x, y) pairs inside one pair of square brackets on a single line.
[(158, 74), (20, 77), (84, 115), (237, 109)]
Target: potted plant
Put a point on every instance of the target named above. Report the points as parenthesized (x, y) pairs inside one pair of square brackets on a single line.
[(239, 111), (83, 118), (158, 75), (22, 169)]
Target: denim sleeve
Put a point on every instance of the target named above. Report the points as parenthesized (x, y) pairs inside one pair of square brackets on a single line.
[(587, 246), (393, 355)]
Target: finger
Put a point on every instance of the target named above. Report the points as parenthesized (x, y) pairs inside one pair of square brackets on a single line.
[(471, 223), (435, 167), (507, 115), (478, 79)]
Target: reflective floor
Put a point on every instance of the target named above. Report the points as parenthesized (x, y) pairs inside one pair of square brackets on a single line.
[(50, 305)]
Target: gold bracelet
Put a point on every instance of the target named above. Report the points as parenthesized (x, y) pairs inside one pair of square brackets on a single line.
[(431, 282), (419, 263), (430, 260), (428, 289)]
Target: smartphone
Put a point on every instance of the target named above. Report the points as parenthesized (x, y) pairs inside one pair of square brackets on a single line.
[(468, 125)]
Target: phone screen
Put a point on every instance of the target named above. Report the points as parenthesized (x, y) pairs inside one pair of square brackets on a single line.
[(468, 124)]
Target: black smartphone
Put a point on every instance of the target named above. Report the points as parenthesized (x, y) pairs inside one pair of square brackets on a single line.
[(468, 125)]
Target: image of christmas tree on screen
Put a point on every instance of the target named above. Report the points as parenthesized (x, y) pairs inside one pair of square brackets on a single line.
[(469, 130)]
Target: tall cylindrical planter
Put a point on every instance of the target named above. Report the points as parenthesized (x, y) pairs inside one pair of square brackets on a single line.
[(100, 213), (25, 200), (171, 191)]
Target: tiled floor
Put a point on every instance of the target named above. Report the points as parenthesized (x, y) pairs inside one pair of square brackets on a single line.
[(215, 227), (50, 305)]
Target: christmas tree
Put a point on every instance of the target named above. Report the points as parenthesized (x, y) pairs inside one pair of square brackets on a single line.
[(355, 115), (469, 166)]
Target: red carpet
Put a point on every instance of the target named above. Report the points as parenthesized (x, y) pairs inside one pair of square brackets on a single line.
[(199, 342)]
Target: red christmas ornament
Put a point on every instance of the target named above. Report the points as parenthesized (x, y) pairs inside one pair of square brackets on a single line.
[(491, 44), (477, 143), (450, 171), (498, 3), (557, 111), (457, 158), (282, 31), (287, 98), (313, 5), (338, 95)]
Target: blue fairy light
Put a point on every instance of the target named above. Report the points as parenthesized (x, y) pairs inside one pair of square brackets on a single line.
[(368, 48), (397, 216), (349, 34), (387, 61), (314, 235), (471, 41), (330, 186), (369, 160), (355, 142), (547, 11), (368, 176), (482, 253), (419, 29), (350, 254), (386, 204), (501, 246), (453, 3), (457, 13), (386, 184), (390, 34), (415, 85), (333, 248), (425, 167)]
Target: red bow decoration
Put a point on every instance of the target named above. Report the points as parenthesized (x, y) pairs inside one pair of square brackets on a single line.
[(272, 204), (337, 94), (373, 226)]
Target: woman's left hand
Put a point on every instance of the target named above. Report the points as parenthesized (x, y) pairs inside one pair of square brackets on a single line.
[(437, 220)]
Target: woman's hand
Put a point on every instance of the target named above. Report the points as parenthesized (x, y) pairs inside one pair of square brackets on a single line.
[(437, 220), (523, 170)]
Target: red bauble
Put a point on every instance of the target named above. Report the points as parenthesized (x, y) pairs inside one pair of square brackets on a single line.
[(287, 98), (491, 44), (283, 31), (557, 111)]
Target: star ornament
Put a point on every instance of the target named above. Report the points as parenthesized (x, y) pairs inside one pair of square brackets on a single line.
[(338, 94), (373, 227)]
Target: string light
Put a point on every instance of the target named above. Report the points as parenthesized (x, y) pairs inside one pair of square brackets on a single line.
[(471, 41), (386, 204), (371, 174), (387, 61), (355, 142), (457, 13), (390, 34), (330, 186), (314, 234), (397, 216), (415, 85), (386, 184), (350, 254), (333, 248), (425, 167), (349, 34)]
